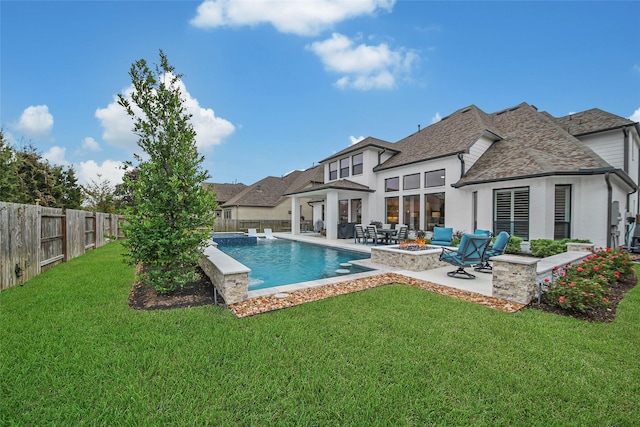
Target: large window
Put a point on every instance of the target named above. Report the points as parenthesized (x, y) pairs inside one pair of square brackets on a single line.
[(562, 212), (434, 210), (392, 184), (411, 211), (333, 171), (343, 211), (356, 211), (411, 182), (356, 164), (227, 214), (344, 167), (434, 178), (511, 212), (393, 204)]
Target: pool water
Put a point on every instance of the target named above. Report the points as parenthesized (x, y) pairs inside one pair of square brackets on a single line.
[(284, 262)]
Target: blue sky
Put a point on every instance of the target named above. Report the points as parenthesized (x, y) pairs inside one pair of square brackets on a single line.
[(280, 85)]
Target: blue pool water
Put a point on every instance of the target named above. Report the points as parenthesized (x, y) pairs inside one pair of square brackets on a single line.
[(284, 262)]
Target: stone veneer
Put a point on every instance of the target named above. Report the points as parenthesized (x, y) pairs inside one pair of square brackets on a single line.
[(514, 278), (408, 260), (230, 277)]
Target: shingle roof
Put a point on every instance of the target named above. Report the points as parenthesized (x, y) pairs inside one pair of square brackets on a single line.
[(270, 191), (532, 144), (341, 184), (224, 192), (453, 134), (591, 121), (361, 145)]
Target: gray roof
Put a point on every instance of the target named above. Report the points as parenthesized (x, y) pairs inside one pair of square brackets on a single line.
[(532, 144), (590, 121), (224, 192), (270, 191), (341, 184), (368, 142), (451, 135)]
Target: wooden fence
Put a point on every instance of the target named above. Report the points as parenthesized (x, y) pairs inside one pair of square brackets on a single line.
[(35, 238), (276, 225)]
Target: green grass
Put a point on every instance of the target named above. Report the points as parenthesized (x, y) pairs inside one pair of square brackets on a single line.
[(73, 353)]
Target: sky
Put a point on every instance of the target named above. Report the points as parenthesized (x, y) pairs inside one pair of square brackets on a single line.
[(276, 86)]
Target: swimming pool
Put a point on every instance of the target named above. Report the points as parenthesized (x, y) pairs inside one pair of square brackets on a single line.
[(284, 262)]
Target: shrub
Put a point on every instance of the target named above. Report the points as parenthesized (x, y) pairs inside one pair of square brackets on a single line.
[(543, 248), (585, 286), (514, 245)]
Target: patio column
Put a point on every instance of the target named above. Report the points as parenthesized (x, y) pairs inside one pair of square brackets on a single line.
[(295, 215), (331, 223)]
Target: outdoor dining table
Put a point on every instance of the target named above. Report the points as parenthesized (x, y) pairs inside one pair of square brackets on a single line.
[(388, 233)]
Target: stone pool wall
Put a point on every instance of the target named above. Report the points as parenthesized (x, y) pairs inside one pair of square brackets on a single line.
[(408, 260), (230, 277)]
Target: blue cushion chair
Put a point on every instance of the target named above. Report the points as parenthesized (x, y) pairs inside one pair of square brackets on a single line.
[(470, 251), (483, 232), (498, 248), (442, 236)]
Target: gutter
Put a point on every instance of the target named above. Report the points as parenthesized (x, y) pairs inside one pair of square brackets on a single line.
[(609, 203)]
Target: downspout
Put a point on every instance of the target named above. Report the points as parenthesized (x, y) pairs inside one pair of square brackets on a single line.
[(609, 203), (461, 158), (625, 131)]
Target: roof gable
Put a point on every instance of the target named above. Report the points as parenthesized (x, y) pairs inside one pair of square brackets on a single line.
[(368, 142)]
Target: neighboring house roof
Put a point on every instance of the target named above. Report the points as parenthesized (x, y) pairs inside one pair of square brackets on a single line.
[(532, 144), (224, 192), (590, 121), (368, 142), (270, 191), (452, 135)]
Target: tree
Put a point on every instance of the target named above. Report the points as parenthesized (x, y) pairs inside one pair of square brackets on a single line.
[(99, 196), (124, 192), (173, 213), (8, 171)]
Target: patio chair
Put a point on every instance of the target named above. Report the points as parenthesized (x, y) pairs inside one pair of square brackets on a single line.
[(372, 233), (360, 235), (252, 232), (469, 253), (402, 235), (498, 248), (442, 236), (483, 232), (268, 234)]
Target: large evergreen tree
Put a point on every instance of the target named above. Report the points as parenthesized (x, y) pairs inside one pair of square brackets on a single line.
[(173, 213)]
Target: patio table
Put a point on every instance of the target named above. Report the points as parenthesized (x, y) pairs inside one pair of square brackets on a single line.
[(388, 233)]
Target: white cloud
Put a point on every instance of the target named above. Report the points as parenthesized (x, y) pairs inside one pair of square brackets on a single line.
[(635, 116), (108, 170), (365, 66), (117, 124), (35, 121), (299, 17), (90, 144), (436, 118), (636, 68), (55, 156), (355, 140)]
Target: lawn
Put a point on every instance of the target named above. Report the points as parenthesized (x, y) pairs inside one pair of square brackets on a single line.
[(73, 353)]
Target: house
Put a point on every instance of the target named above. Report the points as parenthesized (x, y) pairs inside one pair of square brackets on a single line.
[(265, 200), (519, 170), (223, 192)]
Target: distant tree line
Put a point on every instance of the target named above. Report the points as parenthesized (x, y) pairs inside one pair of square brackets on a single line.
[(26, 177)]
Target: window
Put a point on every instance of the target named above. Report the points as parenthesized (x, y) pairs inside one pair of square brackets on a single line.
[(356, 211), (343, 211), (392, 184), (356, 164), (434, 178), (562, 212), (227, 214), (333, 171), (434, 210), (392, 210), (511, 212), (344, 167), (412, 211), (411, 182)]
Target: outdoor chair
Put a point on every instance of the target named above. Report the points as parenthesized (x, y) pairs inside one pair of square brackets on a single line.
[(360, 235), (442, 236), (469, 253), (252, 232), (402, 235), (268, 233), (372, 234), (498, 248), (483, 232)]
